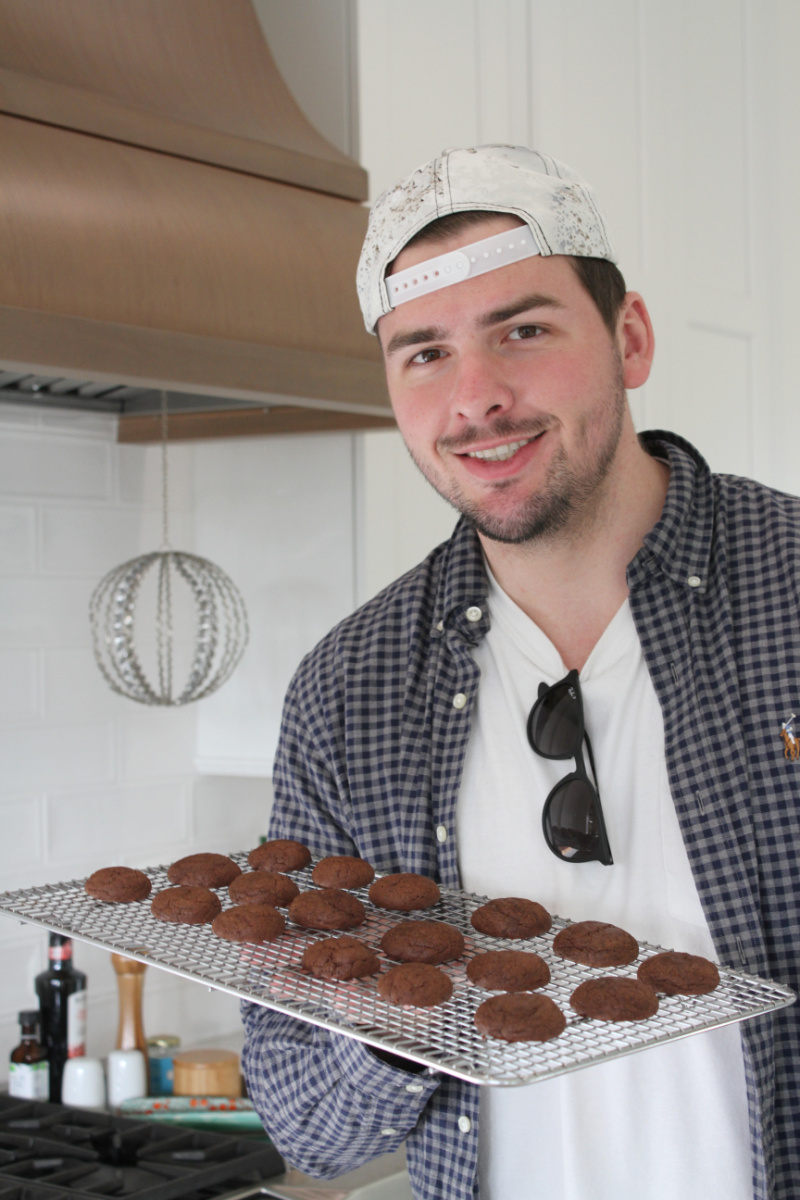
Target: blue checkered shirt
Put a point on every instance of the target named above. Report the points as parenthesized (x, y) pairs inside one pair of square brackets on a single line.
[(370, 760)]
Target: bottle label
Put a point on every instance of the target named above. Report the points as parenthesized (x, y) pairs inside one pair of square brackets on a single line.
[(60, 953), (76, 1024), (29, 1081)]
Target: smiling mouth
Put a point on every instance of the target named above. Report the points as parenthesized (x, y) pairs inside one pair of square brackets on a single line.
[(500, 453)]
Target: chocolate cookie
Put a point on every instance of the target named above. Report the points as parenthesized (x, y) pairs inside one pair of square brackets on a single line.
[(423, 941), (342, 871), (186, 905), (419, 984), (118, 885), (677, 974), (596, 944), (511, 917), (327, 909), (340, 958), (204, 870), (508, 971), (281, 854), (263, 887), (404, 891), (614, 998), (520, 1017), (249, 923)]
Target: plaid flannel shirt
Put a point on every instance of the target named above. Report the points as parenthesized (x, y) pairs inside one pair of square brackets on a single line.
[(370, 760)]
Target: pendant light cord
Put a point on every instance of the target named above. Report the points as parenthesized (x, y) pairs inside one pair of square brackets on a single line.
[(164, 505)]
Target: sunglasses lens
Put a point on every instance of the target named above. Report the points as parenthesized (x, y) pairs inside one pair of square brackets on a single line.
[(571, 822), (554, 728)]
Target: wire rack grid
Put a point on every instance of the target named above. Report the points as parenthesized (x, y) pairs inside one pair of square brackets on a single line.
[(443, 1038)]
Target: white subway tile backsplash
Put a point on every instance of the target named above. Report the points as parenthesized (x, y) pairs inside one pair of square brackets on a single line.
[(19, 684), (89, 540), (155, 742), (21, 841), (20, 963), (17, 539), (139, 473), (73, 684), (54, 466), (45, 612), (231, 812), (110, 827), (56, 756)]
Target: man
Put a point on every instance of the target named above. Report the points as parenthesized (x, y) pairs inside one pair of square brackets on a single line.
[(509, 342)]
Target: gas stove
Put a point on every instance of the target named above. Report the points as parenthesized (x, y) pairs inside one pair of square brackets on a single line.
[(52, 1152)]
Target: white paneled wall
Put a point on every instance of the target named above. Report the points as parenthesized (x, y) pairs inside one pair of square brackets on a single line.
[(87, 778), (686, 118)]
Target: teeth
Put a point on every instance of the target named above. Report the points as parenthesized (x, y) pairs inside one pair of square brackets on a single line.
[(499, 453)]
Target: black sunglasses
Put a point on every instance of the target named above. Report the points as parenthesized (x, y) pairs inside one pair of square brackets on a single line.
[(572, 818)]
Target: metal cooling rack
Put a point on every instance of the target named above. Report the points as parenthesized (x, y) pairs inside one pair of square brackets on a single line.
[(445, 1037)]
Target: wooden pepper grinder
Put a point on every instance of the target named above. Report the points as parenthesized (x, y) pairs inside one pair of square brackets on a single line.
[(130, 982)]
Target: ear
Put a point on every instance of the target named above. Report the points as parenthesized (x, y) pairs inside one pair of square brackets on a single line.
[(635, 340)]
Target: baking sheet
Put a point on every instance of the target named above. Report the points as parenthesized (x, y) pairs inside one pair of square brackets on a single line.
[(444, 1037)]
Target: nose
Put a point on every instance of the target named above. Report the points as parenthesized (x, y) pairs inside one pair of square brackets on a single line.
[(479, 389)]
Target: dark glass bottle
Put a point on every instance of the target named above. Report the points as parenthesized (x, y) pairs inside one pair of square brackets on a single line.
[(62, 1005), (28, 1066)]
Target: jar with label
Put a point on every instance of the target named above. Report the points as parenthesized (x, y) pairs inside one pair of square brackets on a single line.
[(28, 1068), (160, 1050)]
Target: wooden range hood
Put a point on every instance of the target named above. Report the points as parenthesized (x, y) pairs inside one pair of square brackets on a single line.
[(169, 220)]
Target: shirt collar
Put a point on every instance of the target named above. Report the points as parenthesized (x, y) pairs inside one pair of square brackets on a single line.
[(462, 599), (679, 544)]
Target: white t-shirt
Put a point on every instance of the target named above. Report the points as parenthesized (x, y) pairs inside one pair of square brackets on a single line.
[(667, 1122)]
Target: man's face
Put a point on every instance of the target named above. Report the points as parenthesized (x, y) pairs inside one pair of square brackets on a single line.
[(508, 390)]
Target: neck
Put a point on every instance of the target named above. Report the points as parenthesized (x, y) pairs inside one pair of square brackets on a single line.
[(573, 583)]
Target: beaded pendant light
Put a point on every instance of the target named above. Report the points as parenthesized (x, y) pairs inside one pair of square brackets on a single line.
[(217, 621)]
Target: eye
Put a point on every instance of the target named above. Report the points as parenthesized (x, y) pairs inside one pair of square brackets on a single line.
[(523, 332), (426, 356)]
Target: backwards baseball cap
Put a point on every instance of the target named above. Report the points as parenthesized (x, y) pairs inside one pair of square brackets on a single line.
[(557, 207)]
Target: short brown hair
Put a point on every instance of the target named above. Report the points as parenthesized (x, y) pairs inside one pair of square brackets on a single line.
[(602, 279)]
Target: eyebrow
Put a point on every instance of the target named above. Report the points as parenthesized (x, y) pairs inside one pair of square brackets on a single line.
[(436, 333)]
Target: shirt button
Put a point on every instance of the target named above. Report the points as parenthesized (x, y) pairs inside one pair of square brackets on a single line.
[(694, 581), (440, 627), (388, 1132), (474, 613), (414, 1088), (459, 700), (464, 1124), (441, 833)]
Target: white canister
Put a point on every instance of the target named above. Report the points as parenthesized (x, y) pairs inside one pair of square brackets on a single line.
[(127, 1076)]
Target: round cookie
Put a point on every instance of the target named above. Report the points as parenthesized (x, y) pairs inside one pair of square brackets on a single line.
[(186, 905), (511, 917), (520, 1017), (118, 885), (340, 958), (677, 974), (281, 854), (263, 887), (423, 941), (596, 944), (342, 871), (614, 998), (508, 971), (327, 909), (204, 870), (404, 892), (249, 923), (419, 984)]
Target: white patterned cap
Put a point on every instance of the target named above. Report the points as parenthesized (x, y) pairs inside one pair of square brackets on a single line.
[(557, 205)]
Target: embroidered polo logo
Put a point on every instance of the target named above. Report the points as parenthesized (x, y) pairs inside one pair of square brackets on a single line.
[(791, 746)]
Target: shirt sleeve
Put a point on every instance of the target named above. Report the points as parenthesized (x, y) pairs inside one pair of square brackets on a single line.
[(328, 1104)]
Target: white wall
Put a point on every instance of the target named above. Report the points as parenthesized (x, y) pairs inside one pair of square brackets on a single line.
[(685, 117), (88, 778)]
